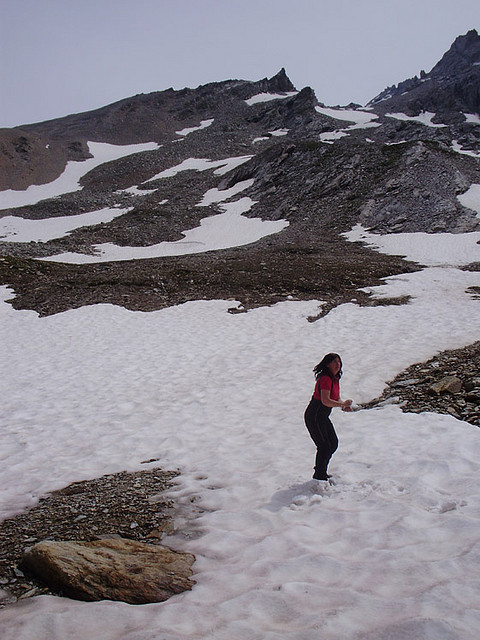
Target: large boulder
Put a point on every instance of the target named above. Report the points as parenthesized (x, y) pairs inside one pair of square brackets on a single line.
[(116, 569)]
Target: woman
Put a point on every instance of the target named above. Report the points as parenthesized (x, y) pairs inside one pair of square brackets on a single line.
[(325, 396)]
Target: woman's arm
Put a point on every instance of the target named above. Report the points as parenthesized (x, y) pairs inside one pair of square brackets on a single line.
[(329, 402)]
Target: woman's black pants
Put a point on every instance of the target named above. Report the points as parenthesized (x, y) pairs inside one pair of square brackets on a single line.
[(322, 433)]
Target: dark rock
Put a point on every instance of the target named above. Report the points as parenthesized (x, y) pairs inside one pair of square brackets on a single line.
[(462, 55), (278, 83), (471, 383)]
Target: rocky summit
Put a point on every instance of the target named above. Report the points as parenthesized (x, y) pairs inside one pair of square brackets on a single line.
[(450, 90), (401, 164)]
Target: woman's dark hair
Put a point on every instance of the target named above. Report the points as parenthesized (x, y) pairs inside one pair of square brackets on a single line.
[(322, 367)]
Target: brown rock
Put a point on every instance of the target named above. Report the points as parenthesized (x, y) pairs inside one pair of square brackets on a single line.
[(123, 570), (449, 384)]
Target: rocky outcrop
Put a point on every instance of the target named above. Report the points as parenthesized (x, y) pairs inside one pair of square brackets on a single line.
[(451, 88), (117, 569), (278, 83), (448, 383), (462, 55), (37, 153), (422, 195)]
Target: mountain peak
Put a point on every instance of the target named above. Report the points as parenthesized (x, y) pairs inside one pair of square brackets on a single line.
[(279, 82), (450, 87), (463, 53)]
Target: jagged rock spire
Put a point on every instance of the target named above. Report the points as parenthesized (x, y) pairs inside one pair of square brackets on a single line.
[(463, 53), (281, 82)]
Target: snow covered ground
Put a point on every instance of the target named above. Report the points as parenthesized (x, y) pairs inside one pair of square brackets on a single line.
[(203, 125), (221, 231), (361, 120), (16, 229), (391, 551), (68, 180), (268, 97), (425, 117), (227, 229), (432, 249)]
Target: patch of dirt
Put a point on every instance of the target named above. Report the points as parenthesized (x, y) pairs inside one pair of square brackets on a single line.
[(264, 273), (127, 505)]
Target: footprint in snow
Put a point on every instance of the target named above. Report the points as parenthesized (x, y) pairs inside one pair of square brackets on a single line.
[(298, 495)]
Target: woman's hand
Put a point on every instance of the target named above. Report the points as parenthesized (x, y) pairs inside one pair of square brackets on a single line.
[(347, 405)]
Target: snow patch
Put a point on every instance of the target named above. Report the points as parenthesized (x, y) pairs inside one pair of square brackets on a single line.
[(474, 118), (267, 97), (15, 229), (361, 120), (425, 117), (201, 164), (68, 181), (217, 195), (471, 198), (432, 249), (223, 231), (277, 132), (203, 125), (135, 191), (456, 146), (329, 137), (350, 115)]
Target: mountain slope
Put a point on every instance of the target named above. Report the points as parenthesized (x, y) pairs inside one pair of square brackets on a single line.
[(315, 170)]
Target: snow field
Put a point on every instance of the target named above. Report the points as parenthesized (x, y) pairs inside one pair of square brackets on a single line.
[(361, 120), (228, 229), (357, 116), (216, 195), (201, 164), (390, 551), (471, 198), (203, 125), (268, 97), (425, 117)]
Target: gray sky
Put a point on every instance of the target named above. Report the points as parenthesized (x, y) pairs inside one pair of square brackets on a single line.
[(66, 56)]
